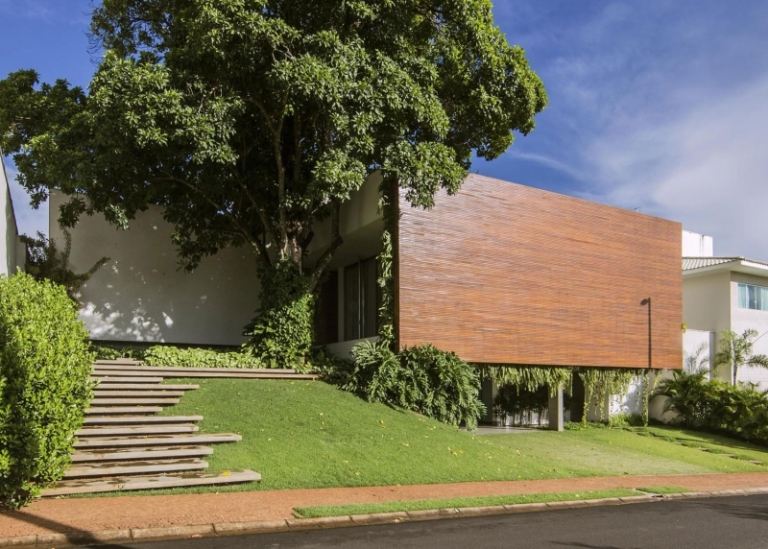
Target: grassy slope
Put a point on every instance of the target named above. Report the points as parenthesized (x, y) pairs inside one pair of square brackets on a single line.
[(309, 434)]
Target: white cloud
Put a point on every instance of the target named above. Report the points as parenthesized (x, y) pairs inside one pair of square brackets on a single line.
[(706, 167), (658, 106)]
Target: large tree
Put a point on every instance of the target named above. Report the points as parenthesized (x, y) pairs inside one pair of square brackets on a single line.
[(249, 121)]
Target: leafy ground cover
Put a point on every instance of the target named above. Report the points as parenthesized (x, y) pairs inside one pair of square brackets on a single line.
[(304, 434), (457, 503)]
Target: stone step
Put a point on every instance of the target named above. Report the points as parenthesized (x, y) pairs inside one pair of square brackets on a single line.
[(112, 431), (114, 378), (103, 392), (146, 386), (117, 362), (207, 373), (140, 453), (156, 440), (128, 369), (103, 410), (178, 480), (122, 373), (101, 401), (141, 420), (148, 467)]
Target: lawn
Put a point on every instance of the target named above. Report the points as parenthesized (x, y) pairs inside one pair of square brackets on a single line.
[(310, 434), (457, 503)]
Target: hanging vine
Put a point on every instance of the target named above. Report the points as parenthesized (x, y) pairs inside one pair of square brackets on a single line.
[(649, 383), (530, 378), (601, 383), (385, 278)]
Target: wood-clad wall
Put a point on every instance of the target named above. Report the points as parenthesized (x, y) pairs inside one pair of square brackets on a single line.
[(504, 273)]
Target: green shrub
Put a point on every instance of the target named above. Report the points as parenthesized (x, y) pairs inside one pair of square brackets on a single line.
[(45, 366), (737, 410), (423, 379), (281, 334), (115, 351), (195, 357)]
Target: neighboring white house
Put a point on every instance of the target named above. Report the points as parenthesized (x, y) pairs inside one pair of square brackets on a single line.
[(11, 253), (720, 294)]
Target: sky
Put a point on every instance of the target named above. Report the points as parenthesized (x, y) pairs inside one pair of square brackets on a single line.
[(655, 105)]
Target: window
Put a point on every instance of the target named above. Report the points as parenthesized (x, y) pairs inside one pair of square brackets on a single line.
[(753, 297), (360, 300)]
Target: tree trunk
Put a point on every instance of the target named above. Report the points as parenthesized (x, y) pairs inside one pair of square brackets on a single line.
[(281, 334)]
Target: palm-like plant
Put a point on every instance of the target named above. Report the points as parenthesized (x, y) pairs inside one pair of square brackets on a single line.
[(736, 350), (688, 395)]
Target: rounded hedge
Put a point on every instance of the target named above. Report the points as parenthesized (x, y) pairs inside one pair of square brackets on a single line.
[(45, 366)]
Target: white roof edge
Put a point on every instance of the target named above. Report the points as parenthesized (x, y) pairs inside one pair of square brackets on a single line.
[(739, 265)]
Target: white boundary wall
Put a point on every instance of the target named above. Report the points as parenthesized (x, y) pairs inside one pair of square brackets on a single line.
[(141, 294), (8, 231)]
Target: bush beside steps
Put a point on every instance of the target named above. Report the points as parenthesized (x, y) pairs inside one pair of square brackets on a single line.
[(45, 365)]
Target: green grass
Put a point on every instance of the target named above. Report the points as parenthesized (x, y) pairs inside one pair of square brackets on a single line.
[(304, 434), (662, 489), (455, 503)]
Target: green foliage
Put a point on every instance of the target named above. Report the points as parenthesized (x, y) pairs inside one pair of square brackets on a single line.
[(601, 383), (251, 123), (281, 334), (46, 262), (530, 378), (118, 350), (195, 357), (386, 284), (45, 366), (738, 410), (736, 350), (423, 379)]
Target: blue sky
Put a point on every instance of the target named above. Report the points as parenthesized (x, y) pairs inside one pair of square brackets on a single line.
[(655, 105)]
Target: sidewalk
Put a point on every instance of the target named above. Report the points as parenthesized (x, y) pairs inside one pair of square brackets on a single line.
[(110, 517)]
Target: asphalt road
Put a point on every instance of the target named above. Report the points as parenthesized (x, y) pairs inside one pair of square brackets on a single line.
[(715, 523)]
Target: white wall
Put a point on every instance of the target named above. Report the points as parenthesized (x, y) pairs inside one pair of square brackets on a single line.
[(8, 230), (697, 245), (142, 295), (706, 302), (698, 350), (629, 403)]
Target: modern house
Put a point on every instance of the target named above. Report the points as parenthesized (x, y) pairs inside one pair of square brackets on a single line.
[(500, 273), (720, 294)]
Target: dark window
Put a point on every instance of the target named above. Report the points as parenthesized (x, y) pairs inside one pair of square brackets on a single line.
[(352, 302), (327, 311), (361, 299)]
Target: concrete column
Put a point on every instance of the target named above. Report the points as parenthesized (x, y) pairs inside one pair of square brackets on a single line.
[(488, 391), (556, 411)]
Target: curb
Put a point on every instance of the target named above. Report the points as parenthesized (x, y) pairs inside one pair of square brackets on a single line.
[(299, 524)]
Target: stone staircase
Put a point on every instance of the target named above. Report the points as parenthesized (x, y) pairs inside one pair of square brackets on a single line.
[(124, 445)]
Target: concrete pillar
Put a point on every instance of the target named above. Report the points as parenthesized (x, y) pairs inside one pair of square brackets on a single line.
[(556, 411), (488, 391)]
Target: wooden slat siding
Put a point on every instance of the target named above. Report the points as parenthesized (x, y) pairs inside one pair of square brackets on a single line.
[(504, 273)]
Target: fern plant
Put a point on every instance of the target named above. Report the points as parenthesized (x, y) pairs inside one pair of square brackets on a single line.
[(423, 379)]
